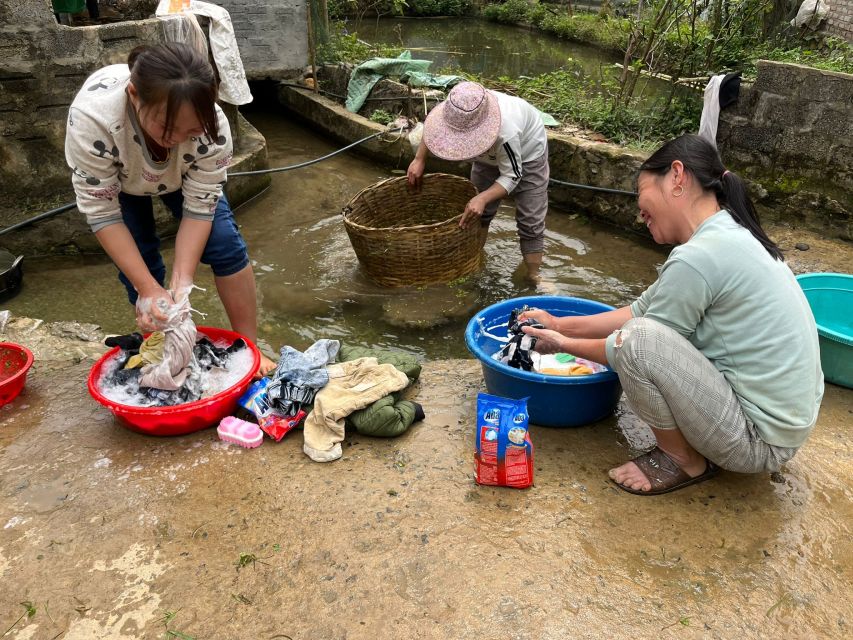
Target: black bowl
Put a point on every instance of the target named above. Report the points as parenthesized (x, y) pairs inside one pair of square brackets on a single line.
[(11, 274)]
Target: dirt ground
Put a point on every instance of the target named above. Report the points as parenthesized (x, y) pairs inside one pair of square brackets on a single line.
[(108, 534), (105, 533)]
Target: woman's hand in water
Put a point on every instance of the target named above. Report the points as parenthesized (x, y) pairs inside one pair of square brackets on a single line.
[(541, 316), (415, 174), (547, 340), (152, 307)]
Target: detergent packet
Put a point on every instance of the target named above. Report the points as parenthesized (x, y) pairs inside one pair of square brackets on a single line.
[(277, 426), (504, 455), (253, 403)]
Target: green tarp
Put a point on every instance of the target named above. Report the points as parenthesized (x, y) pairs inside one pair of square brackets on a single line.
[(401, 68), (69, 6), (412, 72)]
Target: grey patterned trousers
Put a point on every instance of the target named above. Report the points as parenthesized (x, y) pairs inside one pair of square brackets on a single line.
[(531, 200), (671, 385)]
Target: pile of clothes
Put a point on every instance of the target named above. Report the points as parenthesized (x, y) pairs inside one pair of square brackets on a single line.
[(331, 388), (169, 367)]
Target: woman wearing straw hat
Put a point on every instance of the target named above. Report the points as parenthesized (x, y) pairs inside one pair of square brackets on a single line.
[(506, 140)]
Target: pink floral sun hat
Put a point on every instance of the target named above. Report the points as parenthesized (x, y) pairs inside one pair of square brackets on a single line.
[(465, 125)]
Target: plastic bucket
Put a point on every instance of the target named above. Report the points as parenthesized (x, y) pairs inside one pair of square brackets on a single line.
[(554, 401), (15, 362), (183, 418), (830, 297)]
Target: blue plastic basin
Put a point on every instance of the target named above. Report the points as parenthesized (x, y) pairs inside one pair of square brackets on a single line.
[(830, 297), (554, 401)]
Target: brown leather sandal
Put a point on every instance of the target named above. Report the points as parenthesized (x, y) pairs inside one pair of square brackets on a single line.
[(665, 475)]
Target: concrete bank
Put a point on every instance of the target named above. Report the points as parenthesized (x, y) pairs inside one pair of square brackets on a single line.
[(107, 533)]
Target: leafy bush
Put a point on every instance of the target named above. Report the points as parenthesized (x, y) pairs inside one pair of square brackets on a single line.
[(382, 117), (438, 7), (344, 46), (567, 96), (511, 11)]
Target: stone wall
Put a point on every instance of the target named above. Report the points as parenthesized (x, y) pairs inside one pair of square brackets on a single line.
[(42, 66), (272, 35), (839, 21), (792, 132)]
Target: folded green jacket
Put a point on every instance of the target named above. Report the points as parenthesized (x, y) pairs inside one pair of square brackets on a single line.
[(389, 416)]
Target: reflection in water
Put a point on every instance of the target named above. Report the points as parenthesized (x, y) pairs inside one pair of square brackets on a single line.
[(493, 50), (484, 48), (309, 281)]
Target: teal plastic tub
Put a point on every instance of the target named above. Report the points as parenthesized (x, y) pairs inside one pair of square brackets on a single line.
[(830, 296)]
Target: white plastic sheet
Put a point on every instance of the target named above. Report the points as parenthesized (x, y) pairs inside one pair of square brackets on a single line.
[(811, 13), (233, 88)]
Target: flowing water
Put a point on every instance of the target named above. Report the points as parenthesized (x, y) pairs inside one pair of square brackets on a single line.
[(310, 284)]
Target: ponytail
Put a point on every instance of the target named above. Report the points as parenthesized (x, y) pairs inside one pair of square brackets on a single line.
[(701, 159)]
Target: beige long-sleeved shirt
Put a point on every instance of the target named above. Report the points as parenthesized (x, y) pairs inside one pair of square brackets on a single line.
[(104, 146)]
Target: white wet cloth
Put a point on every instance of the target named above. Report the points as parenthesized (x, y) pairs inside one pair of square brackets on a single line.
[(233, 88), (180, 335), (711, 110)]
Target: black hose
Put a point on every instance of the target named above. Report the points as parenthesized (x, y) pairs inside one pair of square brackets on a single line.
[(591, 188), (71, 205), (41, 216), (314, 161)]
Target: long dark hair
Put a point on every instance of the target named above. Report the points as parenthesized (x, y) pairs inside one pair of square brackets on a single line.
[(174, 73), (701, 159)]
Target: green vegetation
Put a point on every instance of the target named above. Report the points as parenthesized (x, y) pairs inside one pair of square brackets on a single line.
[(566, 95), (382, 117), (344, 46), (680, 41), (426, 8)]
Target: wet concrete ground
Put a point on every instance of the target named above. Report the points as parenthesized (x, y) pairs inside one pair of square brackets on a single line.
[(112, 534)]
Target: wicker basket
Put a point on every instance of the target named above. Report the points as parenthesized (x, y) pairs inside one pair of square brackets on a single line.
[(407, 239)]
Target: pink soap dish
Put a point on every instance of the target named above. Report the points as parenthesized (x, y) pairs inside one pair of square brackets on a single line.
[(240, 432)]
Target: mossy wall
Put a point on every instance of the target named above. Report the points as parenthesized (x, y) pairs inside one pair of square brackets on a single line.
[(791, 131)]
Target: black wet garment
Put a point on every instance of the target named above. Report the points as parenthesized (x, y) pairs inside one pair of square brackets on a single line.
[(130, 342), (516, 352), (209, 355)]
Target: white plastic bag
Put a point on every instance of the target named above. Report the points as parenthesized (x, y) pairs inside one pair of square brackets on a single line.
[(811, 14)]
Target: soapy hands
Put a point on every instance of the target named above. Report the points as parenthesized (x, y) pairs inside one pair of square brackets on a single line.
[(548, 340), (156, 307), (539, 315), (152, 308)]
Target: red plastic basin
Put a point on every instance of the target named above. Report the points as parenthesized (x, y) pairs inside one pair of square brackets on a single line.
[(183, 418), (15, 361)]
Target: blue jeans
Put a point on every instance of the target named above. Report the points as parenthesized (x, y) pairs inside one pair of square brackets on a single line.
[(225, 251)]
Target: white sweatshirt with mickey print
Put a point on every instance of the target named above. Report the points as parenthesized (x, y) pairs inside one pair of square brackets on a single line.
[(104, 148)]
